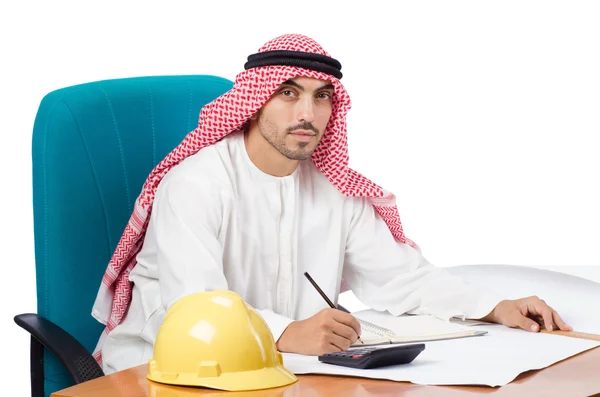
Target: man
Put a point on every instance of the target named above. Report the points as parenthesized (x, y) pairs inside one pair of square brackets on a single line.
[(259, 194)]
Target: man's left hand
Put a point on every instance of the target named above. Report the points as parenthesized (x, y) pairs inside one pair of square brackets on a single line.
[(528, 314)]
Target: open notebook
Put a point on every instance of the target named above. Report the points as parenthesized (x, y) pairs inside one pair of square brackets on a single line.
[(382, 328)]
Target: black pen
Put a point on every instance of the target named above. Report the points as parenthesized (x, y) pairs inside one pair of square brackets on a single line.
[(329, 302)]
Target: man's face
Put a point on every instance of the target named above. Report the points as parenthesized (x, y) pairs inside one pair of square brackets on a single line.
[(293, 121)]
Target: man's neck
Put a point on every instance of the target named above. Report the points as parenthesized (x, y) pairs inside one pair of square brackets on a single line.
[(265, 157)]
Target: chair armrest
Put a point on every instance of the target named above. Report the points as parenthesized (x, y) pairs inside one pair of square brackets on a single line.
[(80, 364)]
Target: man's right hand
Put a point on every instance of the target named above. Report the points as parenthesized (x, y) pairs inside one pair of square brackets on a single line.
[(328, 331)]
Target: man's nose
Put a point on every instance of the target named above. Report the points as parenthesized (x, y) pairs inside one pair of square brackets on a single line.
[(306, 111)]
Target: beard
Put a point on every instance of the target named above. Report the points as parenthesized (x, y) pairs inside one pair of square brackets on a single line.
[(296, 151)]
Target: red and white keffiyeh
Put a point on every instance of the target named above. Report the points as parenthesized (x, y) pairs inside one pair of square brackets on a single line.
[(228, 113)]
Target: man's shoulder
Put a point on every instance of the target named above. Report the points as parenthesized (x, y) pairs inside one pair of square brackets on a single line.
[(206, 169), (326, 188)]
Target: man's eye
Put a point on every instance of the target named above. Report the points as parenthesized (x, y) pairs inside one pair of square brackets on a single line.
[(287, 93), (324, 95)]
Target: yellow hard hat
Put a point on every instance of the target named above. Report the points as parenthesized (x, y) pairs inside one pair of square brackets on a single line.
[(214, 339)]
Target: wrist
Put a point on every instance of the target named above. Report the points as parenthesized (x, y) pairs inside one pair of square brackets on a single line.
[(492, 316), (282, 343)]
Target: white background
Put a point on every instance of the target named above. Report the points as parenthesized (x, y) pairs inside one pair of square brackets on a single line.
[(482, 117)]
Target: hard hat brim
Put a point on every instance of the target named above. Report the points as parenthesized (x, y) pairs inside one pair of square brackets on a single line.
[(264, 378)]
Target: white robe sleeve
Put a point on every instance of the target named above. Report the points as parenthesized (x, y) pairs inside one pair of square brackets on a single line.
[(187, 219), (388, 275)]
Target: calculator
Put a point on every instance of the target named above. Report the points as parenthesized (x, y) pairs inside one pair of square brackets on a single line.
[(373, 356)]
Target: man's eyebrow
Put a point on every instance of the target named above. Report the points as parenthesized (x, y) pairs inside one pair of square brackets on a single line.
[(326, 87), (292, 83)]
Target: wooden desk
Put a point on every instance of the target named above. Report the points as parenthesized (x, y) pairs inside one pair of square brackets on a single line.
[(576, 376)]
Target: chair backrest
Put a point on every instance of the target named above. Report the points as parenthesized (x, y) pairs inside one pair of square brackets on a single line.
[(94, 145)]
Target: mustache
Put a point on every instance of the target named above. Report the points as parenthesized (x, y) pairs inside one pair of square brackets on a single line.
[(303, 126)]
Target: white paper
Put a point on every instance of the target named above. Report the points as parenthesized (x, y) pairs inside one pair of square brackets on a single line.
[(494, 359)]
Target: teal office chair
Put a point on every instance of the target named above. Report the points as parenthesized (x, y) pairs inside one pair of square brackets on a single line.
[(94, 145)]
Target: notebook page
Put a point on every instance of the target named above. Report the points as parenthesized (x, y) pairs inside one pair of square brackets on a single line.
[(372, 330), (411, 326)]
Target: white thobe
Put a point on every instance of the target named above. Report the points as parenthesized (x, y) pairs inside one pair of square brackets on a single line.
[(218, 222)]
